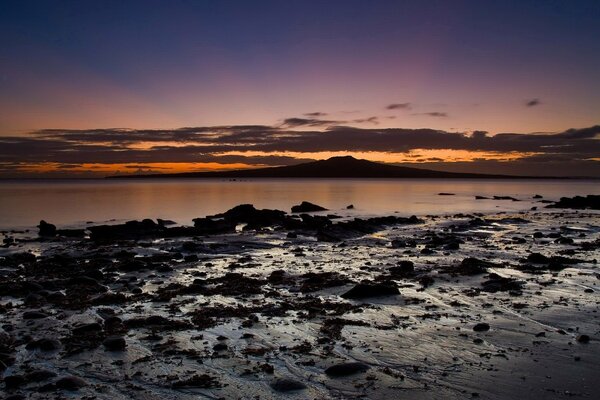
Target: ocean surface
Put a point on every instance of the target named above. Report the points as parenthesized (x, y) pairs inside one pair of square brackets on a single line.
[(71, 203)]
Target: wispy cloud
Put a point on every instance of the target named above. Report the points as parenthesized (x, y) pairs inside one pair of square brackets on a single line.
[(436, 114), (312, 122), (533, 102), (399, 106)]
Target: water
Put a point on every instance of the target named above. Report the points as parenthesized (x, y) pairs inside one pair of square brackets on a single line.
[(74, 202)]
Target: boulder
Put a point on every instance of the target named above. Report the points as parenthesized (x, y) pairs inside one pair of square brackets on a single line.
[(305, 206), (46, 229)]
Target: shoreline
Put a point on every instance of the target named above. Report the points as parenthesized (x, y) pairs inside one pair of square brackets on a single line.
[(491, 305)]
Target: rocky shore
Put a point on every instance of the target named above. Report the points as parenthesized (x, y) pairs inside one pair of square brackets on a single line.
[(267, 304)]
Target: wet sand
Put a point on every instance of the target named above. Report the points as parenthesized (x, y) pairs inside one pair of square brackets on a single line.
[(495, 306)]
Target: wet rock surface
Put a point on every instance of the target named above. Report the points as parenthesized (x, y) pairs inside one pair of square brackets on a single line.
[(255, 303)]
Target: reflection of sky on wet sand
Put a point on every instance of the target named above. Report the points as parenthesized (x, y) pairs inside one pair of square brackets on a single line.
[(24, 203)]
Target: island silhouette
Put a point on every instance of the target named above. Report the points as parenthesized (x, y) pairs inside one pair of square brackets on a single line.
[(334, 167)]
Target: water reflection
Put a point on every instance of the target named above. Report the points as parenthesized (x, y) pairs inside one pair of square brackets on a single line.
[(72, 202)]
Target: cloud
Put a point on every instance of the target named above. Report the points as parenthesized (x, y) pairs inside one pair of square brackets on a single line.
[(370, 120), (436, 114), (217, 143), (297, 122), (533, 102), (399, 106)]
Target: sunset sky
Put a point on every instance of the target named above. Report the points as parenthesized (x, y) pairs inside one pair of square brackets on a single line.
[(97, 88)]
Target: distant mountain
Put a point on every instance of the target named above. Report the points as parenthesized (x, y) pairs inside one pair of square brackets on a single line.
[(335, 167)]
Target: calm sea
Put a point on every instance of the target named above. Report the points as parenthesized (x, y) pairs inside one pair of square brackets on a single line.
[(75, 202)]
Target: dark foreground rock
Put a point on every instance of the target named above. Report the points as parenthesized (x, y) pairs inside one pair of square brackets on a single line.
[(346, 369), (367, 290), (286, 385), (305, 206)]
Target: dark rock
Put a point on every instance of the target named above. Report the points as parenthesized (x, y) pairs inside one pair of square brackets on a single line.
[(305, 206), (497, 283), (114, 343), (481, 327), (13, 382), (15, 397), (578, 202), (366, 290), (350, 207), (481, 198), (44, 344), (583, 339), (473, 266), (505, 198), (39, 375), (127, 231), (87, 328), (286, 385), (346, 369), (71, 233), (34, 315), (70, 383), (445, 194), (220, 347), (46, 229)]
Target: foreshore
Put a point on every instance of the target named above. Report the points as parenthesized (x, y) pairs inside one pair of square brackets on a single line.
[(309, 304)]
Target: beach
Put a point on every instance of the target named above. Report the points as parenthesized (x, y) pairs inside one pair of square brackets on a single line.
[(270, 304)]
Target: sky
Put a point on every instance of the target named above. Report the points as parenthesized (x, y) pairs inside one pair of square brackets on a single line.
[(95, 88)]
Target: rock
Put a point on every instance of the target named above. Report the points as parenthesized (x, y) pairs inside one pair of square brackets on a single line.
[(537, 258), (446, 194), (305, 206), (481, 198), (505, 198), (537, 196), (583, 339), (44, 344), (87, 328), (473, 266), (481, 327), (578, 202), (404, 268), (350, 207), (34, 315), (346, 369), (39, 375), (72, 233), (220, 347), (46, 229), (15, 397), (497, 283), (70, 383), (114, 343), (286, 385), (126, 231), (366, 290), (13, 382)]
